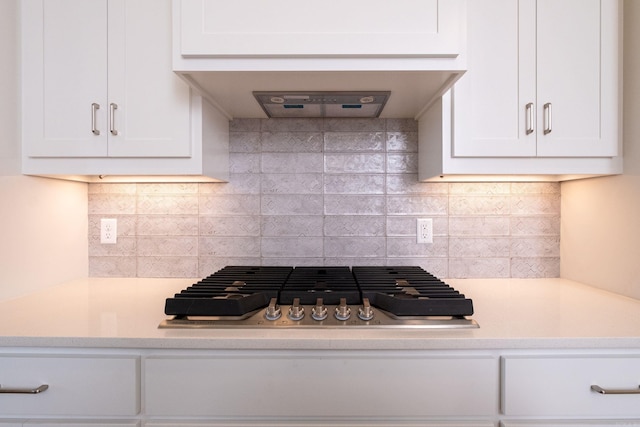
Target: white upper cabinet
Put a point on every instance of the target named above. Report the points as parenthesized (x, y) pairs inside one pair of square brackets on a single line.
[(98, 80), (542, 94), (542, 80), (319, 28), (100, 95)]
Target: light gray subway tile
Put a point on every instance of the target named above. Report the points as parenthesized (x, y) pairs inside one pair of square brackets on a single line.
[(485, 247), (354, 125), (112, 188), (402, 125), (177, 204), (353, 142), (289, 183), (172, 266), (479, 226), (126, 224), (168, 188), (402, 163), (296, 204), (292, 163), (292, 125), (358, 225), (292, 247), (356, 247), (354, 163), (541, 225), (244, 163), (167, 246), (402, 141), (213, 205), (244, 142), (354, 205), (404, 226), (407, 247), (239, 183), (166, 225), (227, 247), (407, 183), (244, 125), (462, 268), (543, 204), (480, 188), (535, 247), (292, 142), (111, 204), (294, 225), (208, 265), (294, 262), (479, 205), (112, 266), (125, 246), (417, 205), (229, 226), (535, 188), (354, 184), (535, 267)]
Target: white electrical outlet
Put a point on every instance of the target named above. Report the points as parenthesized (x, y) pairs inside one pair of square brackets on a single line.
[(108, 230), (425, 230)]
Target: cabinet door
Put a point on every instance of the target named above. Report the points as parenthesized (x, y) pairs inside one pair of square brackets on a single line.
[(65, 72), (239, 28), (577, 78), (152, 118), (490, 100)]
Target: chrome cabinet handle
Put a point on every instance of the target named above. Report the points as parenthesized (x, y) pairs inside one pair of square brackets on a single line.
[(112, 118), (36, 390), (601, 390), (529, 118), (547, 118), (94, 108)]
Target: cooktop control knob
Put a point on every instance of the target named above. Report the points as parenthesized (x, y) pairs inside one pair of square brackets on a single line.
[(296, 311), (273, 310), (365, 312), (319, 311), (343, 311)]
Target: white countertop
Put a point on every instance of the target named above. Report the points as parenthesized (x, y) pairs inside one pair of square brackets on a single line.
[(512, 313)]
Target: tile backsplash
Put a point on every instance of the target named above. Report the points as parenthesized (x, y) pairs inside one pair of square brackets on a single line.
[(326, 192)]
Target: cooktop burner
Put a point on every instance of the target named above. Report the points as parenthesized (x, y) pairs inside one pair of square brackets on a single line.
[(239, 296)]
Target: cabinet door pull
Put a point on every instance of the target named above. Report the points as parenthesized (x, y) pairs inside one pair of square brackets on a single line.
[(547, 118), (112, 118), (94, 108), (529, 118), (601, 390), (36, 390)]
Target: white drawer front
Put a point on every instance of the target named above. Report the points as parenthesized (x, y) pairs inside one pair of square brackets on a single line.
[(321, 386), (88, 386), (561, 386)]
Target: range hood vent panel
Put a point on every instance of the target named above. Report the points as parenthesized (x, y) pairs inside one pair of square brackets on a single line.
[(330, 104)]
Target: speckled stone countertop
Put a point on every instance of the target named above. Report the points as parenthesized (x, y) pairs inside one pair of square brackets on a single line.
[(512, 314)]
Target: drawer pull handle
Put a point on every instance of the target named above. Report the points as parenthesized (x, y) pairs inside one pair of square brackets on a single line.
[(601, 390), (94, 127), (529, 118), (36, 390)]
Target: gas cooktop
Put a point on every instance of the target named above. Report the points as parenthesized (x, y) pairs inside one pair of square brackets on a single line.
[(317, 297)]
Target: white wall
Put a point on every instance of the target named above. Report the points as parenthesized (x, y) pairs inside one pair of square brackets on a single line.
[(43, 222), (600, 232)]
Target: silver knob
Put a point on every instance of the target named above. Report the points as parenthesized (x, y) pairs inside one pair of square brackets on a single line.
[(319, 311), (296, 311), (343, 312), (273, 310), (365, 312)]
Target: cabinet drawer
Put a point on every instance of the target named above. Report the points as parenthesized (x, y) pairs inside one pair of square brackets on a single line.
[(85, 386), (320, 385), (561, 386)]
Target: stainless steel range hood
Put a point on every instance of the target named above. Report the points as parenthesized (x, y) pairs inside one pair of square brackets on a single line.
[(322, 104)]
